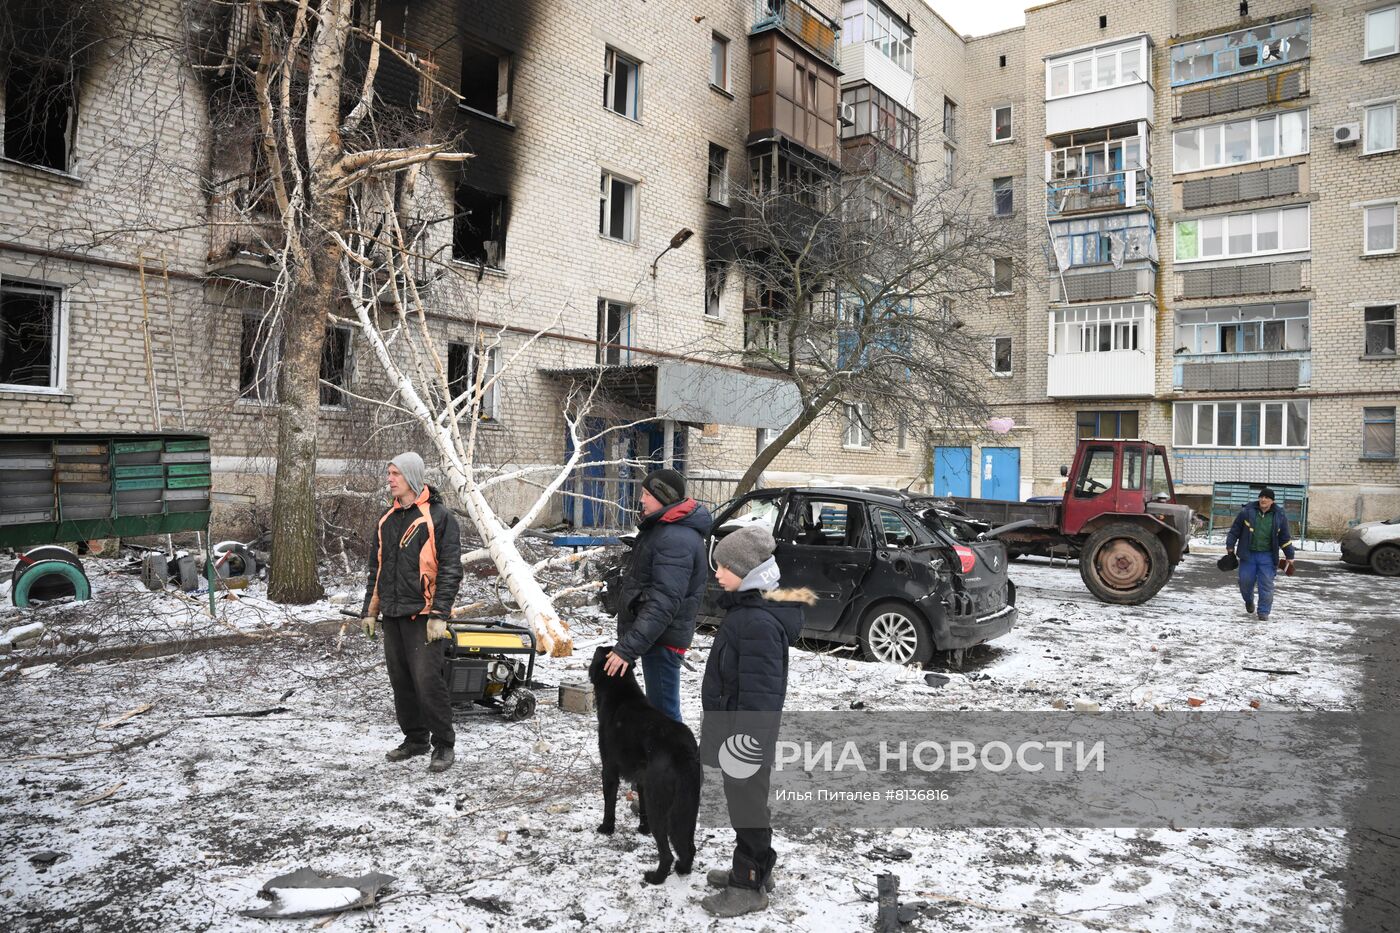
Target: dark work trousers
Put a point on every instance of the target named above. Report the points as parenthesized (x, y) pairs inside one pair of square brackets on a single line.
[(418, 674), (747, 801)]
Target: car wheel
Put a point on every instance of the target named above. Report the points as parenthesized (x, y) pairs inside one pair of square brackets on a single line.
[(1385, 560), (896, 634), (1124, 564)]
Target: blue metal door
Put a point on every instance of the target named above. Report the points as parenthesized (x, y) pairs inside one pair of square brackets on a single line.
[(1001, 473), (952, 471)]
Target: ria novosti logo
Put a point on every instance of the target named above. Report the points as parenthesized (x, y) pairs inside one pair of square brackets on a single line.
[(740, 756)]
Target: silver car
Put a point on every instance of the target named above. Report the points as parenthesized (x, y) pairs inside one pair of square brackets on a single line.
[(1375, 545)]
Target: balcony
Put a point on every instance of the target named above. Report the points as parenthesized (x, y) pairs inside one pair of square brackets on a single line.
[(1256, 279), (1263, 45), (1280, 181), (1233, 372), (1102, 286), (406, 81), (802, 22), (1241, 94), (245, 235), (1097, 193), (1114, 374), (1202, 468), (1099, 86)]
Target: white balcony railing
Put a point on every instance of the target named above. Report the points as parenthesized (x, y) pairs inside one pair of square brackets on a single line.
[(1112, 373)]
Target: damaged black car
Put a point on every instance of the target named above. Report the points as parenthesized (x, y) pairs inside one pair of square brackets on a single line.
[(894, 574)]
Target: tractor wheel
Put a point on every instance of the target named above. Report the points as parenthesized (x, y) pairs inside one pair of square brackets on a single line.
[(518, 704), (1385, 560), (1122, 563), (894, 633)]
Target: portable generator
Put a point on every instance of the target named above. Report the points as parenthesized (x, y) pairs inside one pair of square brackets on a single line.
[(491, 665)]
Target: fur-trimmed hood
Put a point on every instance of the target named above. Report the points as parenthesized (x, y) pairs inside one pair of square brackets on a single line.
[(795, 594)]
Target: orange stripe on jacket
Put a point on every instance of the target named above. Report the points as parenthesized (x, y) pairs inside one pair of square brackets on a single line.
[(427, 555)]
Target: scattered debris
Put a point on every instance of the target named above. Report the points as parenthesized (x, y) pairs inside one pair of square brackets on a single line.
[(887, 903), (22, 636), (891, 854), (307, 893), (1268, 670), (1085, 706), (102, 795), (492, 905), (1194, 702), (112, 723), (42, 860), (576, 698), (251, 713), (937, 680)]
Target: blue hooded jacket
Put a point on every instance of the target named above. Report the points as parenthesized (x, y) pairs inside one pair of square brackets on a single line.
[(1243, 529), (665, 580)]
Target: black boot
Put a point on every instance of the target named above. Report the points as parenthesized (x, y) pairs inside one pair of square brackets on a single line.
[(407, 750), (443, 756)]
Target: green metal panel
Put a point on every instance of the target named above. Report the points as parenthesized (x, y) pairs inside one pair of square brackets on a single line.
[(187, 469), (133, 447), (136, 470), (154, 482), (199, 443), (131, 526), (187, 482)]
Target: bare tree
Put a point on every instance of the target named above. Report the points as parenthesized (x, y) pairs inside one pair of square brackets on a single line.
[(851, 297), (321, 128)]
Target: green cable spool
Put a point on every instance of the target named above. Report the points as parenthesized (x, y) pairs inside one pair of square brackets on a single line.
[(82, 590)]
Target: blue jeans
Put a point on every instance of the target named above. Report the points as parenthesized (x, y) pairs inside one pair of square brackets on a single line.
[(1258, 567), (661, 670)]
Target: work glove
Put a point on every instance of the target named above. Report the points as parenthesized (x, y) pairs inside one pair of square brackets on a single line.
[(368, 625), (437, 628)]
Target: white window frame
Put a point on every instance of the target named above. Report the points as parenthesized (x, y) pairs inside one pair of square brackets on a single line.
[(1009, 262), (856, 435), (627, 324), (1010, 123), (1010, 357), (1382, 207), (1253, 235), (950, 163), (605, 196), (1367, 54), (1116, 49), (1123, 319), (1366, 146), (1198, 133), (1281, 405), (722, 177), (58, 354), (610, 59), (719, 43)]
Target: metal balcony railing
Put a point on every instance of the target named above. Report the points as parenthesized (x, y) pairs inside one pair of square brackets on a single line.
[(1257, 279), (802, 22), (1238, 372), (1132, 188), (243, 224)]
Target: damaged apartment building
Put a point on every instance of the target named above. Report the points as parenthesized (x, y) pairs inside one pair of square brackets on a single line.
[(1168, 171)]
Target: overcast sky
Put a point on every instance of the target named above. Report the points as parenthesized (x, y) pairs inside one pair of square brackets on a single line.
[(979, 17)]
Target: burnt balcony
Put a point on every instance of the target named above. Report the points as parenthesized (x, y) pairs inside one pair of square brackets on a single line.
[(802, 22), (245, 235), (407, 77)]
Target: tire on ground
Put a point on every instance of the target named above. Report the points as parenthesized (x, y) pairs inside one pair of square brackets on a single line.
[(1124, 563), (52, 586), (894, 632), (1385, 560)]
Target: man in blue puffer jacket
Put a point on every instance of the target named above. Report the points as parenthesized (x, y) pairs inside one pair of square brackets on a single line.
[(742, 694), (662, 589), (1260, 531)]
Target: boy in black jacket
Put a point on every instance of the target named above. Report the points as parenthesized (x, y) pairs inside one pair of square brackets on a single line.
[(747, 673)]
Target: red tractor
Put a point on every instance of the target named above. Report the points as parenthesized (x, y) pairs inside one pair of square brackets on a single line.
[(1119, 517)]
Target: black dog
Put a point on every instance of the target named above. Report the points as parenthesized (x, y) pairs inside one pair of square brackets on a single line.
[(658, 756)]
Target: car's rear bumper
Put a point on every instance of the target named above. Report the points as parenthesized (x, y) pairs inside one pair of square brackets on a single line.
[(966, 632), (1354, 551)]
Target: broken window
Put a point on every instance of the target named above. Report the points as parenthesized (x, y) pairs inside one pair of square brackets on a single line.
[(614, 332), (1001, 356), (714, 287), (462, 375), (1002, 195), (1380, 330), (30, 317), (40, 110), (258, 353), (717, 181), (335, 367), (622, 87), (617, 208), (479, 229), (719, 61), (486, 79)]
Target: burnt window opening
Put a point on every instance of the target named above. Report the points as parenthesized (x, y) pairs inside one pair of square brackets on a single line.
[(41, 109), (335, 367), (486, 78), (462, 375), (614, 333), (479, 230), (258, 353), (30, 317), (717, 178), (714, 287), (1103, 22)]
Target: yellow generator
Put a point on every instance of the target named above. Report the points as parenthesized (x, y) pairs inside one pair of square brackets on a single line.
[(492, 665)]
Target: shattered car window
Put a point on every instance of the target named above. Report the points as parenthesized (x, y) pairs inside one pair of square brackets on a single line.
[(762, 512)]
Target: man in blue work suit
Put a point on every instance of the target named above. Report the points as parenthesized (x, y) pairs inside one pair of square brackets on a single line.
[(1260, 531)]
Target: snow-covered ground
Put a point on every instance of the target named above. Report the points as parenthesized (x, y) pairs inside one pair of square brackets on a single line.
[(172, 820)]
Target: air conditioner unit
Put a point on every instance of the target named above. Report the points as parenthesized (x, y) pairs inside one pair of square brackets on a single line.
[(848, 113), (1346, 134)]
